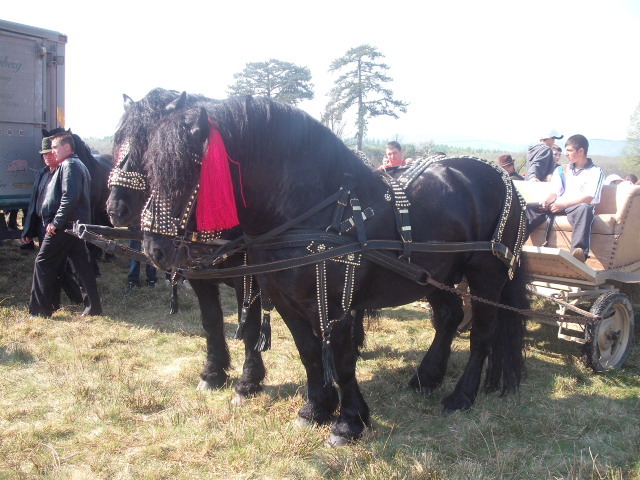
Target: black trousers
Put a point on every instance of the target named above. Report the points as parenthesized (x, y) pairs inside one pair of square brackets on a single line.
[(580, 218), (54, 251), (66, 278)]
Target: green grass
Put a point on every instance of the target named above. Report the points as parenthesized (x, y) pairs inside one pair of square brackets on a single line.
[(113, 397)]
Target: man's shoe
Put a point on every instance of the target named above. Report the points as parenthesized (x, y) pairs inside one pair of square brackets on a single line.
[(27, 246), (151, 283), (131, 286), (579, 255)]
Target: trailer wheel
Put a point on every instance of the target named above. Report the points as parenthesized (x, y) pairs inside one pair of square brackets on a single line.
[(609, 340)]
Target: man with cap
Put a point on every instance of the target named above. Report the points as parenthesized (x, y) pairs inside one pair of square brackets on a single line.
[(66, 200), (33, 221), (506, 162), (33, 226), (540, 161)]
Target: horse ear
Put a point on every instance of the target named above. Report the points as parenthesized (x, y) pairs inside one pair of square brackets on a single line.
[(200, 129), (128, 101), (177, 104), (45, 133)]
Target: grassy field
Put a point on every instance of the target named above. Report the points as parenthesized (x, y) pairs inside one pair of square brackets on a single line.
[(113, 397)]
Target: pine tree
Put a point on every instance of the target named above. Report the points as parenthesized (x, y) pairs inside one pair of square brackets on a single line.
[(361, 85)]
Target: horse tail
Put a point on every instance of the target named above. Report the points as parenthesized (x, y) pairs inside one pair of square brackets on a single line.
[(505, 363)]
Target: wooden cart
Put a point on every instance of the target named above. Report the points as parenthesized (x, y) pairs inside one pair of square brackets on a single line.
[(606, 342), (609, 280)]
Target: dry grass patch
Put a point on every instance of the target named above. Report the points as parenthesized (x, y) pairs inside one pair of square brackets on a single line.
[(114, 397)]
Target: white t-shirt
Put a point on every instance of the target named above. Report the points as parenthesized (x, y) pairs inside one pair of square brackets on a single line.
[(569, 183)]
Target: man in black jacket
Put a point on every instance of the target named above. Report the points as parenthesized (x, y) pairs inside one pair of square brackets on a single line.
[(66, 199), (33, 227)]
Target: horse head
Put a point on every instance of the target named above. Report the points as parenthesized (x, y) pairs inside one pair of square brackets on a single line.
[(128, 182), (173, 159)]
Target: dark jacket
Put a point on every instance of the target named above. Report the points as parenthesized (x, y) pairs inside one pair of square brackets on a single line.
[(68, 196), (32, 221), (540, 162)]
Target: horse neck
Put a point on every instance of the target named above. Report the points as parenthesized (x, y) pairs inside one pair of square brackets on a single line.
[(277, 193)]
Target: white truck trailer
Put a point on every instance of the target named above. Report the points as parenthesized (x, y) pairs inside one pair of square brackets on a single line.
[(31, 98)]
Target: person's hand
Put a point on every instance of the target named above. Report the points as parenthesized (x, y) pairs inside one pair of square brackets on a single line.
[(51, 229), (534, 179), (557, 207), (26, 240)]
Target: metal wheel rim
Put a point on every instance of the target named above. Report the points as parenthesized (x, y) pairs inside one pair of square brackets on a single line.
[(613, 335)]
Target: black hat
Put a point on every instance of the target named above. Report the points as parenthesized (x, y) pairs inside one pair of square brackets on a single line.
[(46, 145), (505, 160)]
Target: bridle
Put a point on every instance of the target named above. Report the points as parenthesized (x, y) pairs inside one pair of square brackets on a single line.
[(157, 218), (123, 178)]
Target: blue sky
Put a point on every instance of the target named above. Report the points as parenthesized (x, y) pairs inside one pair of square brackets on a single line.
[(491, 70)]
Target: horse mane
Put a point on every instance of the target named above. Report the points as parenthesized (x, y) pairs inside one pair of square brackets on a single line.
[(141, 117), (252, 128)]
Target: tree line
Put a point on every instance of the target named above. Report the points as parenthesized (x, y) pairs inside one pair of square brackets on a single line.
[(360, 87), (631, 152)]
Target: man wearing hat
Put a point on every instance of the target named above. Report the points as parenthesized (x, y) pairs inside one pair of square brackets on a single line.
[(540, 161), (506, 162), (33, 222), (33, 226)]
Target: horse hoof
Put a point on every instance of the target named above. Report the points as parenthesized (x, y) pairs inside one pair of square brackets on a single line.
[(424, 391), (303, 423), (239, 401), (204, 385), (336, 441), (451, 406)]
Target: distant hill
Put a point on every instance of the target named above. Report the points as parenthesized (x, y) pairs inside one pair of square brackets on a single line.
[(597, 147), (607, 148)]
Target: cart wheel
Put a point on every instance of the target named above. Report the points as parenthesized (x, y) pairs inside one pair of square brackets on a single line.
[(609, 340)]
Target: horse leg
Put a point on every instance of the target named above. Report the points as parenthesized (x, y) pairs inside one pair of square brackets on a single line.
[(354, 411), (253, 370), (322, 398), (447, 314), (214, 374), (482, 332)]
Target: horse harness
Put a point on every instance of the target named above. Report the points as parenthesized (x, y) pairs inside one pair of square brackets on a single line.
[(127, 179), (332, 244), (156, 219)]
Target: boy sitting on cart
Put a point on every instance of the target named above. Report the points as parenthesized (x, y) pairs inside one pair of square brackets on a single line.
[(575, 191)]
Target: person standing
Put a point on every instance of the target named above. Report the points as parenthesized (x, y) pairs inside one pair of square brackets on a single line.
[(506, 162), (66, 199), (33, 227), (393, 156), (540, 162), (133, 278), (575, 191)]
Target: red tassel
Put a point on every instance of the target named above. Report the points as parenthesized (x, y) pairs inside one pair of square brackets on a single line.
[(216, 208)]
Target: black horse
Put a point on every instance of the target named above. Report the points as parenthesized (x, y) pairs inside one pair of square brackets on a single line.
[(99, 167), (289, 170), (126, 200)]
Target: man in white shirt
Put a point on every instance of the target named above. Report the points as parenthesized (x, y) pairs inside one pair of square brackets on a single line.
[(575, 191)]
